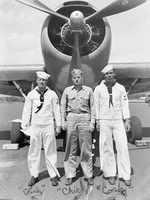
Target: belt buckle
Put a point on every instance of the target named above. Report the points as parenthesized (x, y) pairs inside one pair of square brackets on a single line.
[(78, 112)]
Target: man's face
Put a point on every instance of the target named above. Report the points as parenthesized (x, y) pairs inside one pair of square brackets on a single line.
[(77, 80), (41, 83), (110, 76)]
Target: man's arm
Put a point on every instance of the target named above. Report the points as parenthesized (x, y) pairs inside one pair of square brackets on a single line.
[(92, 107), (92, 110), (97, 106), (125, 110), (56, 111), (125, 104), (63, 109), (97, 102), (26, 114)]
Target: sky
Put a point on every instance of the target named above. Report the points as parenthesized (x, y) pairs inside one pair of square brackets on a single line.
[(20, 30)]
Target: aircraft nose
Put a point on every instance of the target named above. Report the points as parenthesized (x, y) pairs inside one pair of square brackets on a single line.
[(76, 19)]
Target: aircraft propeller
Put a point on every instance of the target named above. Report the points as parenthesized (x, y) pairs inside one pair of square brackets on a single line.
[(115, 8), (40, 6)]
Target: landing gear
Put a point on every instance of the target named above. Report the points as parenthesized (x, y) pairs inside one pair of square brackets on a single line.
[(136, 130)]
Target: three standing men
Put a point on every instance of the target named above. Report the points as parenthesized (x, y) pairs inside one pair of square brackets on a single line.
[(112, 108), (40, 109), (78, 118)]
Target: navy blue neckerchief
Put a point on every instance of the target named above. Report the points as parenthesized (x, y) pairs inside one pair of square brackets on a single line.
[(109, 88), (41, 99)]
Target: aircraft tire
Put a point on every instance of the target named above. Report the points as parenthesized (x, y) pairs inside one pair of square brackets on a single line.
[(136, 130), (16, 136)]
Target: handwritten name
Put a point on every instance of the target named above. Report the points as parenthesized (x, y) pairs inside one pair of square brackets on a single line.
[(69, 190), (114, 189)]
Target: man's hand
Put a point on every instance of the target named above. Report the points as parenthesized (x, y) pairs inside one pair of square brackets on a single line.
[(127, 125), (92, 126), (24, 126), (58, 130), (64, 127), (97, 125)]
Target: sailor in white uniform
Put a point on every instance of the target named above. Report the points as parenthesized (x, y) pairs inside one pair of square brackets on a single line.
[(113, 120), (40, 108)]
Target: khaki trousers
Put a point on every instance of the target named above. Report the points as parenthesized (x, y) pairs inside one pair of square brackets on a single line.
[(78, 130)]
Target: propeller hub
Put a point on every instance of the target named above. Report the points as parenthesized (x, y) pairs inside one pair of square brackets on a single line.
[(76, 19), (85, 34)]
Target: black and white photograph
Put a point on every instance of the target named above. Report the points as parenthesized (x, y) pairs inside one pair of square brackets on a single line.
[(74, 100)]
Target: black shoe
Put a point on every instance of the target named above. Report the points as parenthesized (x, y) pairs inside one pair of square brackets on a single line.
[(33, 181), (127, 182), (54, 181), (111, 180), (69, 181), (90, 181)]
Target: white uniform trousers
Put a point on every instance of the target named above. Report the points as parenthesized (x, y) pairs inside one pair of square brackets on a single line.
[(115, 128), (45, 132)]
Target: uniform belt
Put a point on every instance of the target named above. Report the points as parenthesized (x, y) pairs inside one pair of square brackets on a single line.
[(78, 112)]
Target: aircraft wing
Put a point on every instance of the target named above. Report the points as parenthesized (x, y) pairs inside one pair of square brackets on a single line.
[(28, 72), (16, 80), (134, 76), (19, 72)]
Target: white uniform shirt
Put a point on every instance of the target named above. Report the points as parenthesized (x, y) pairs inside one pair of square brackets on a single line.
[(105, 110), (46, 114)]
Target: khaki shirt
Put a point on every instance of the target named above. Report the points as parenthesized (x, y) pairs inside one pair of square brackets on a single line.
[(78, 101)]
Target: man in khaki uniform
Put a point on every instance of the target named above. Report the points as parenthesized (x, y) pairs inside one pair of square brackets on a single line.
[(78, 118), (40, 106)]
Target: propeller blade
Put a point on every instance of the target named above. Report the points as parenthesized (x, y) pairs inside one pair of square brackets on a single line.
[(76, 58), (115, 8), (40, 6)]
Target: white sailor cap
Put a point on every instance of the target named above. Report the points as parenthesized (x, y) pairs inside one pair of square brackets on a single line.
[(107, 68), (75, 72), (42, 75)]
